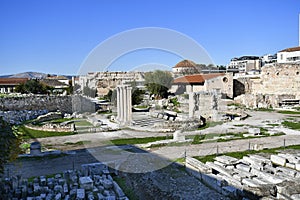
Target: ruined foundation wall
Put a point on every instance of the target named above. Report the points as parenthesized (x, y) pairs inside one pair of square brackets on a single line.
[(37, 102), (276, 83)]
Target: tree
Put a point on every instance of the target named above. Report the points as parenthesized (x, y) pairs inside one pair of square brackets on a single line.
[(9, 144), (32, 86), (158, 82)]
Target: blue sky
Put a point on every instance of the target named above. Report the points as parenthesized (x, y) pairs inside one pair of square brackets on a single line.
[(56, 36)]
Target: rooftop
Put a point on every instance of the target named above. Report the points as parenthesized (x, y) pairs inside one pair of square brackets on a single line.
[(185, 64), (12, 81), (196, 78), (291, 49)]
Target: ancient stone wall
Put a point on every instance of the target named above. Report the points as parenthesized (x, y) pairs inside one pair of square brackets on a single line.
[(82, 104), (37, 102), (207, 104), (262, 100), (278, 79), (276, 83)]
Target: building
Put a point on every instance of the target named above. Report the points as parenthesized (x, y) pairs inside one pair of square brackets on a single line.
[(7, 85), (289, 55), (58, 86), (203, 82), (244, 64), (105, 81), (61, 79), (185, 67), (268, 59)]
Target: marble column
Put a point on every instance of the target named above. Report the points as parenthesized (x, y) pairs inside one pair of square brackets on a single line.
[(124, 116)]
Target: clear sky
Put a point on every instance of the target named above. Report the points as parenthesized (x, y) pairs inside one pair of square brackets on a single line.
[(55, 36)]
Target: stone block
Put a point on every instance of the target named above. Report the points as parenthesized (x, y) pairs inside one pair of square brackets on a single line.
[(220, 169), (290, 165), (58, 196), (250, 182), (226, 160), (287, 171), (262, 160), (278, 160), (80, 194), (297, 167), (243, 167), (100, 196), (86, 182), (254, 131), (107, 184), (197, 165), (268, 177)]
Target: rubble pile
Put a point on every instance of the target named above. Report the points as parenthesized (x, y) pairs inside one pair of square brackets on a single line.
[(252, 177), (93, 181)]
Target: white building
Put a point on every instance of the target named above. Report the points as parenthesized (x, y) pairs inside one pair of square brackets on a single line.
[(289, 55), (268, 59), (244, 64)]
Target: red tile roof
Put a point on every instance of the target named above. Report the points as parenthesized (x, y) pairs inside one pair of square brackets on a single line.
[(185, 64), (196, 78), (291, 49), (12, 81)]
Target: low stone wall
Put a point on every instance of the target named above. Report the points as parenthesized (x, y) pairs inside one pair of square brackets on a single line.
[(82, 104), (17, 117), (53, 127), (37, 102), (261, 100)]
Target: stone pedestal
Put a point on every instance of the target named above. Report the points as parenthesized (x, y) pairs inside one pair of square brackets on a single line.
[(35, 148), (124, 107)]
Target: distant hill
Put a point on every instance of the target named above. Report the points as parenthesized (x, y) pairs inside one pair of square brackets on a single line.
[(31, 75)]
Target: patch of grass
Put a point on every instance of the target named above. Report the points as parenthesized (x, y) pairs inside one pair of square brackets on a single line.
[(210, 124), (28, 133), (264, 109), (83, 123), (291, 125), (180, 160), (204, 159), (47, 157), (197, 139), (289, 112), (139, 140), (60, 120), (104, 112)]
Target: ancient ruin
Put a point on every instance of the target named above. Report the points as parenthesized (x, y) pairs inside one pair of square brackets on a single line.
[(124, 110)]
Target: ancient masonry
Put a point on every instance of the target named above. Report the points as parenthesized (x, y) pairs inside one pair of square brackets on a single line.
[(14, 110), (206, 104), (124, 108), (105, 81), (278, 84), (93, 181), (252, 177)]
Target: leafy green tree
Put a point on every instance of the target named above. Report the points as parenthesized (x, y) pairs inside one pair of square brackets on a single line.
[(32, 86), (108, 95), (9, 144), (158, 82)]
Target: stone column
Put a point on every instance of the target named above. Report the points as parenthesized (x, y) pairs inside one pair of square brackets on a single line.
[(124, 104)]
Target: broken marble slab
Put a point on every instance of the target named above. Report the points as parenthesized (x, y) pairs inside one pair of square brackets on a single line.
[(278, 160), (226, 160)]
